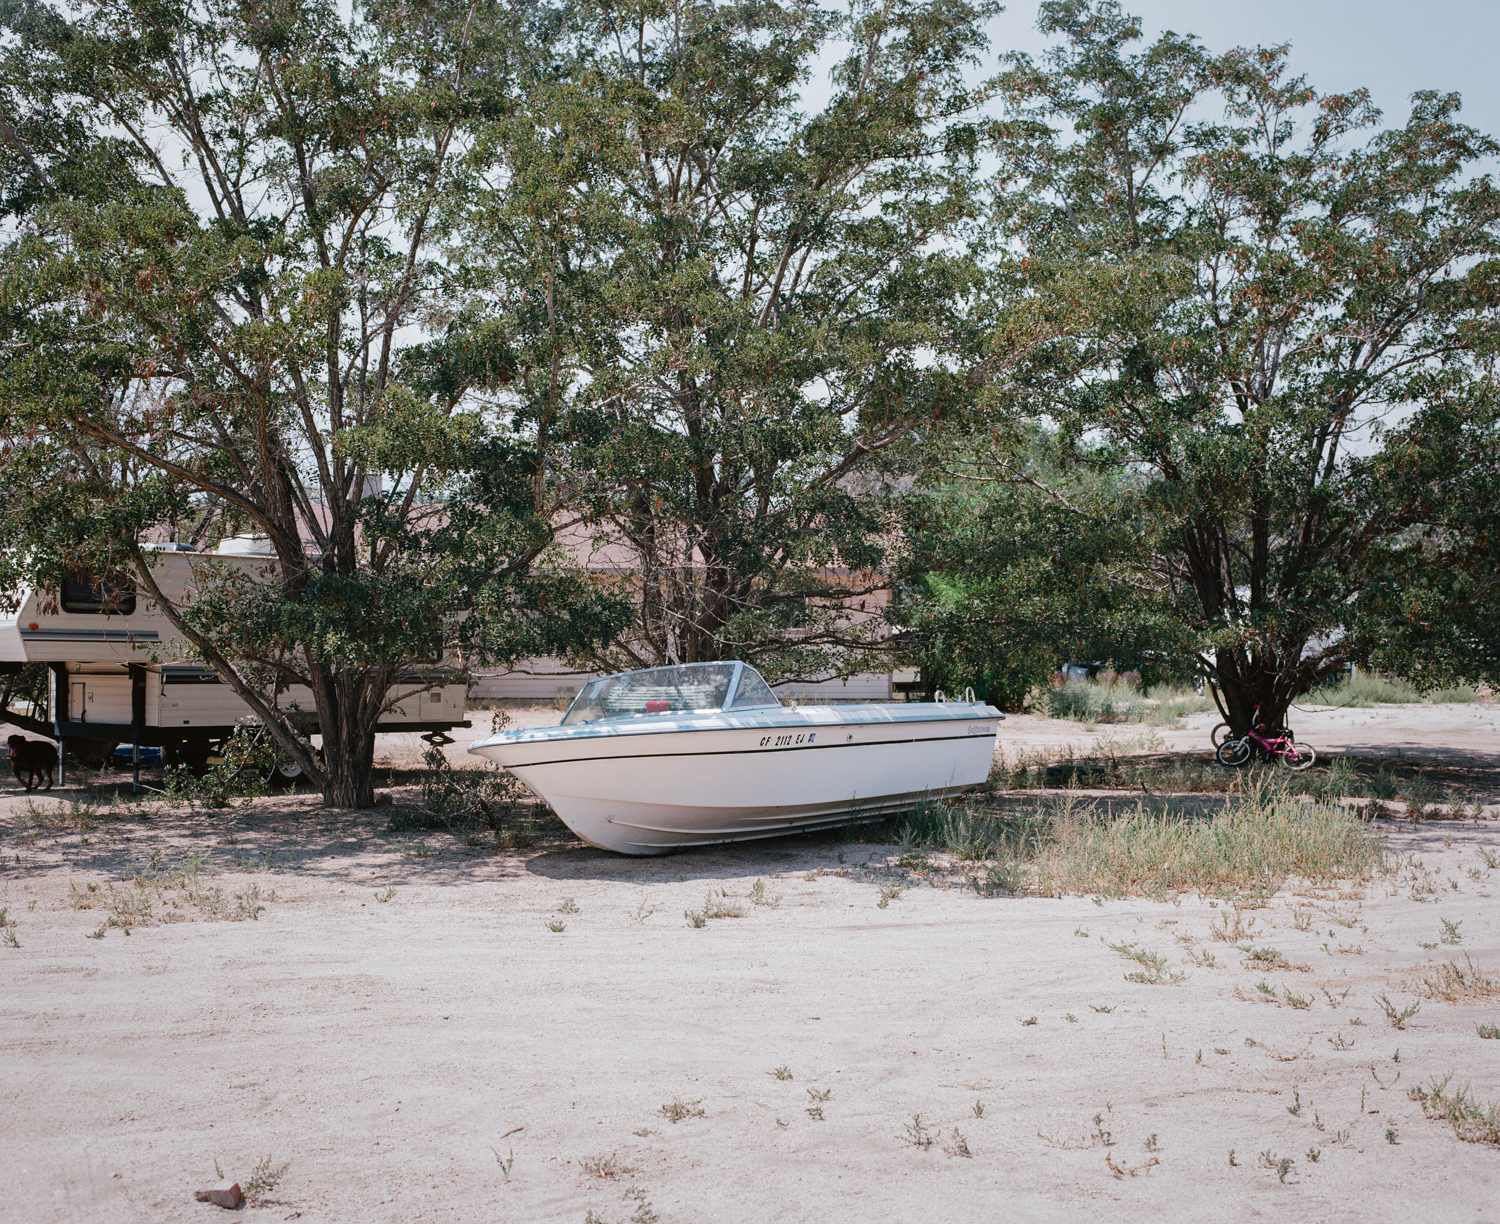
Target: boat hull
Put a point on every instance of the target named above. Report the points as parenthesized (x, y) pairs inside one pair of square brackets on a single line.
[(646, 789)]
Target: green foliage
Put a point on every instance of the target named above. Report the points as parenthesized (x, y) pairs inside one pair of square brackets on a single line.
[(940, 826), (226, 309), (1473, 1120), (1365, 690), (241, 773), (1254, 279), (1091, 701), (727, 311), (1009, 579)]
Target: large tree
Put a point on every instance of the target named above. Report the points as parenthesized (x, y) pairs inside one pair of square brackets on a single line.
[(1283, 329), (1008, 572), (732, 308), (223, 308)]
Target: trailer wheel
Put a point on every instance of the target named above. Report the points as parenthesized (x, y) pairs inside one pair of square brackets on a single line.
[(284, 774)]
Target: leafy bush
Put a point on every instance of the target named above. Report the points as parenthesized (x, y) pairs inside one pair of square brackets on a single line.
[(933, 825), (471, 804), (1090, 701), (240, 774)]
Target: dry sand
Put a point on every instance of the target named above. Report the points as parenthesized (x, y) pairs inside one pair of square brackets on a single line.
[(389, 1050)]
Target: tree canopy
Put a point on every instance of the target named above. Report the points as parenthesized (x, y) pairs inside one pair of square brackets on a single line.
[(1281, 345), (737, 310), (225, 307)]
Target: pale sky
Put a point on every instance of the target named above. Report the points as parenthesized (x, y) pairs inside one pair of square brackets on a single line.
[(1391, 47)]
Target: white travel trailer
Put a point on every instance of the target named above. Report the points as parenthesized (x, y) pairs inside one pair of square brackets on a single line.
[(115, 674)]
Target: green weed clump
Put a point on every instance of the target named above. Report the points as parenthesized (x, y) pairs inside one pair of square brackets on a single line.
[(1455, 983), (265, 1178), (958, 829), (1471, 1121), (1251, 845), (1461, 694), (1339, 779)]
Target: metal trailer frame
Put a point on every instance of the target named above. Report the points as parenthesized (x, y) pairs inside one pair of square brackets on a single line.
[(195, 741)]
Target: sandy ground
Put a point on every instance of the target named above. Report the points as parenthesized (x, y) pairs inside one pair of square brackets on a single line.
[(391, 1049)]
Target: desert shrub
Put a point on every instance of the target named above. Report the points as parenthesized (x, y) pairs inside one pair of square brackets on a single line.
[(475, 804), (241, 774), (1122, 701), (933, 825), (1338, 779), (1252, 845), (1171, 702), (1472, 1120), (1363, 691), (968, 831)]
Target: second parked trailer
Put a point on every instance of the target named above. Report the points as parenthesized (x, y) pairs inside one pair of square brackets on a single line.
[(111, 678)]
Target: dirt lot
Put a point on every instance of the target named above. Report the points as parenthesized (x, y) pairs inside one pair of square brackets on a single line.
[(394, 1014)]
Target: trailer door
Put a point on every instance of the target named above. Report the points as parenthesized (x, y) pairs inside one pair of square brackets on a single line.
[(77, 708)]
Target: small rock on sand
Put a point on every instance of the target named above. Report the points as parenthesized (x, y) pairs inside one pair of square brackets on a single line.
[(225, 1194)]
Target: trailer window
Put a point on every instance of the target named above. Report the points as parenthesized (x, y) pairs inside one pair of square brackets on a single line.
[(85, 593)]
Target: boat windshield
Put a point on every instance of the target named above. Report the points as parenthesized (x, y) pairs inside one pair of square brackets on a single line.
[(690, 688)]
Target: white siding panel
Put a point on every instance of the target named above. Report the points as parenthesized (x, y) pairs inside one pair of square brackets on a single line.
[(200, 705), (865, 686), (106, 698), (532, 680)]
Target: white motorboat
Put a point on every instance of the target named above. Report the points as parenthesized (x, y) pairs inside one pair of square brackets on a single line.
[(651, 761)]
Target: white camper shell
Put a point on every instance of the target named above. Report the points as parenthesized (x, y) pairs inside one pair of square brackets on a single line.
[(115, 675)]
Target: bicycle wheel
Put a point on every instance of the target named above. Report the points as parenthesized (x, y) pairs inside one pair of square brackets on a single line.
[(1298, 757), (1219, 734), (1234, 752)]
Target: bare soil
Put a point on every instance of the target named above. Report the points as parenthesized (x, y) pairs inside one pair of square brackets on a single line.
[(400, 1052)]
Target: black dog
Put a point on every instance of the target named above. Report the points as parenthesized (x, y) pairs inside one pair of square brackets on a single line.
[(35, 757)]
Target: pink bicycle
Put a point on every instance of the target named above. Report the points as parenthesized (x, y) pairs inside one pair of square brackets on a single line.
[(1279, 746)]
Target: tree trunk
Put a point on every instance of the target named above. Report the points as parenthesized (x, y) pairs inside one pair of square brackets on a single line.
[(1248, 683), (348, 768)]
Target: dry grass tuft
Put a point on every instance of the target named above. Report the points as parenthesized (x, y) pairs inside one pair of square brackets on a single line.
[(161, 893), (606, 1166), (1471, 1121), (1455, 983), (1252, 846)]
